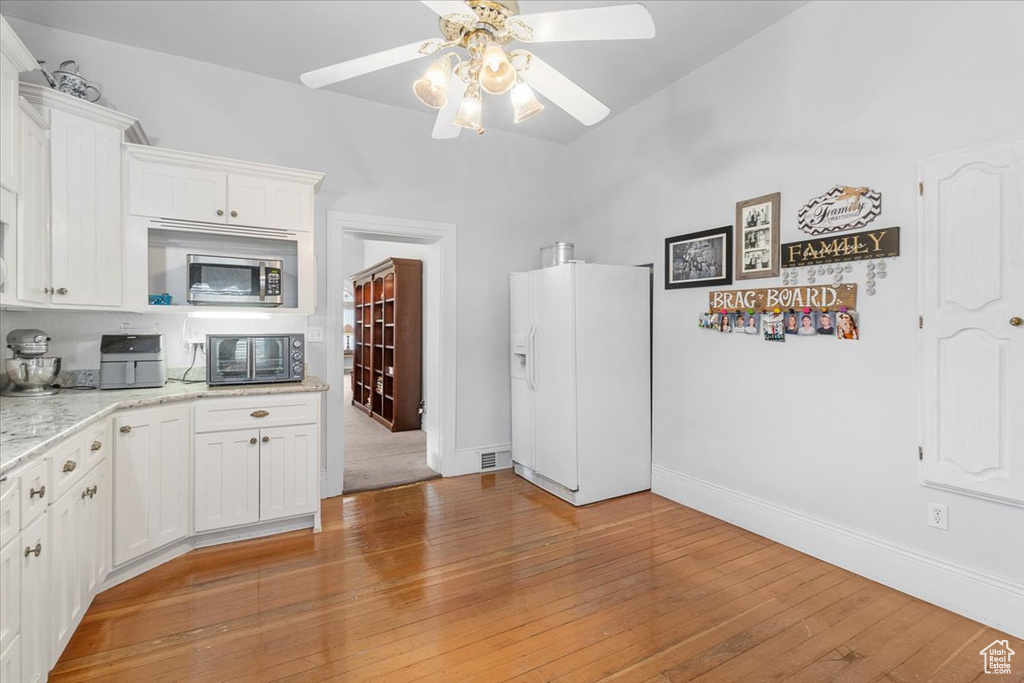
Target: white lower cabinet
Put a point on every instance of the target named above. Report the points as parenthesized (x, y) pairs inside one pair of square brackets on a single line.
[(10, 590), (227, 479), (10, 661), (151, 480), (35, 600), (289, 472)]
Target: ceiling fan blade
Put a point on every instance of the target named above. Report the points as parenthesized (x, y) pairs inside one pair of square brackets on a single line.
[(555, 86), (362, 65), (446, 7), (444, 129), (620, 22)]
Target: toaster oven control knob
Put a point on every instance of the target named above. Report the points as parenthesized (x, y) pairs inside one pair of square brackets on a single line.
[(296, 369), (297, 344), (297, 356)]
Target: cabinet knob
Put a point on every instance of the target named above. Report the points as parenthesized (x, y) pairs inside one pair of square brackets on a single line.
[(259, 413), (266, 439), (62, 290), (96, 445), (70, 465), (1016, 321), (126, 429), (234, 214), (29, 550), (41, 492), (220, 212), (252, 441)]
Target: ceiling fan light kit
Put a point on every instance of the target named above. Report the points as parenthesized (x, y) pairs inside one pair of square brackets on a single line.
[(482, 28)]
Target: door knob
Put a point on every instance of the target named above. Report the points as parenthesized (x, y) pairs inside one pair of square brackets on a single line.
[(220, 212), (252, 441), (126, 429), (62, 290), (1016, 321), (266, 439), (234, 214)]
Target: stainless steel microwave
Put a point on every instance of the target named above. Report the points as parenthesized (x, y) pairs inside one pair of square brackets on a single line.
[(223, 280), (255, 359)]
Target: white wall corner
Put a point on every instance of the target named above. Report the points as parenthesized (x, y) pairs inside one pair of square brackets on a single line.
[(467, 461), (977, 595)]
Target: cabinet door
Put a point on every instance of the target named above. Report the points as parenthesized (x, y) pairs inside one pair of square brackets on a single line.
[(10, 592), (34, 275), (289, 471), (151, 480), (10, 661), (86, 211), (169, 191), (67, 603), (96, 531), (270, 203), (9, 122), (35, 602), (227, 479)]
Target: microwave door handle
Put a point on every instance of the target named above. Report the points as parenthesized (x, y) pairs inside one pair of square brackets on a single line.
[(251, 356), (263, 281)]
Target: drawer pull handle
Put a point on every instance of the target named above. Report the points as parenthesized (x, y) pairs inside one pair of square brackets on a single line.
[(29, 550), (41, 491), (259, 413), (126, 429), (90, 491), (252, 441), (70, 466), (266, 439), (96, 445)]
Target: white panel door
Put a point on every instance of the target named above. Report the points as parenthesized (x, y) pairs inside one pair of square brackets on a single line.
[(226, 479), (95, 531), (10, 122), (10, 591), (264, 202), (67, 603), (972, 294), (289, 471), (34, 255), (86, 214), (554, 379), (35, 602), (522, 369), (170, 191), (151, 480), (248, 200)]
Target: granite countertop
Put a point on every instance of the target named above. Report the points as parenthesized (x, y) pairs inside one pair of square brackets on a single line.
[(30, 426)]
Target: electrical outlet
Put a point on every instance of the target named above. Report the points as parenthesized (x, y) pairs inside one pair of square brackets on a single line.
[(196, 335), (315, 334), (937, 516)]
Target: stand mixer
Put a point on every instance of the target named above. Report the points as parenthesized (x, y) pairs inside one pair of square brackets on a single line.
[(30, 373)]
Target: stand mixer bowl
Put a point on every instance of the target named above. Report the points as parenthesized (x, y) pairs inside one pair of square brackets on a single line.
[(32, 376)]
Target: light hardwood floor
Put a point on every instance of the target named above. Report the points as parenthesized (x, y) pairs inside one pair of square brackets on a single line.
[(486, 578)]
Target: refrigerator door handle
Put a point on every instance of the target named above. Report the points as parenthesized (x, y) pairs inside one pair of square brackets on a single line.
[(531, 358)]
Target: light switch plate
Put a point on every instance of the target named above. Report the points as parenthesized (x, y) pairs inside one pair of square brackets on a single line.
[(315, 334)]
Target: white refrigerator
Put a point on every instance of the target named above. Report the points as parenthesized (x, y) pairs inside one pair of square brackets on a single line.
[(581, 380)]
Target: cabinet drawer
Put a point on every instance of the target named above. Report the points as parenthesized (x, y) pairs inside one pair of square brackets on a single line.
[(96, 444), (36, 492), (67, 466), (10, 508), (256, 412)]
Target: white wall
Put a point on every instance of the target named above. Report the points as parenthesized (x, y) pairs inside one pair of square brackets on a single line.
[(838, 92), (504, 192)]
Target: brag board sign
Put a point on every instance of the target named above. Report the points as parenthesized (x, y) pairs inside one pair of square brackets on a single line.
[(770, 298)]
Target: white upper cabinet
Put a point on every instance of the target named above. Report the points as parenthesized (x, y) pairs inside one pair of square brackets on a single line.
[(181, 186), (14, 59), (972, 333), (33, 260)]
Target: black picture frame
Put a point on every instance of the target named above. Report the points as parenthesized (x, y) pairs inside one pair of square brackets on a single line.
[(675, 278)]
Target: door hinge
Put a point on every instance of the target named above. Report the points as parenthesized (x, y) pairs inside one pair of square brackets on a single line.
[(920, 322), (920, 189), (920, 452)]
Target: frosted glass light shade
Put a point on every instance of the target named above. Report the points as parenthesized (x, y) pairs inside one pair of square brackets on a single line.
[(497, 74), (470, 114), (524, 103), (432, 89)]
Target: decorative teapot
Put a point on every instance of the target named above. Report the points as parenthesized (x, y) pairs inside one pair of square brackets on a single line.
[(67, 80)]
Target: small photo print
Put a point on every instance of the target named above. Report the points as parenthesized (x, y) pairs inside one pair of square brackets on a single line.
[(826, 323), (773, 327), (726, 322), (704, 322), (753, 324), (846, 325), (757, 238), (792, 323), (756, 259), (758, 214), (805, 324)]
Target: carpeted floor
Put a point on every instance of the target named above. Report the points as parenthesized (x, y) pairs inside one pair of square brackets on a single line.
[(377, 459)]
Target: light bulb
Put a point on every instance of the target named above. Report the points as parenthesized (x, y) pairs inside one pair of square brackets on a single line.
[(524, 102), (470, 114), (497, 75), (432, 89)]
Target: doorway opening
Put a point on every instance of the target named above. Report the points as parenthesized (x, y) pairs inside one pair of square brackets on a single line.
[(384, 429)]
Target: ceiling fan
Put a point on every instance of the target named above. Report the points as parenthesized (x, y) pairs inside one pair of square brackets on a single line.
[(483, 28)]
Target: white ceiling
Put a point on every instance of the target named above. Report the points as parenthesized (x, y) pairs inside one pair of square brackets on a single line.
[(283, 39)]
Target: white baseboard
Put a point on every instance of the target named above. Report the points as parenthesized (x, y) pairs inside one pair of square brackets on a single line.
[(983, 597), (467, 461)]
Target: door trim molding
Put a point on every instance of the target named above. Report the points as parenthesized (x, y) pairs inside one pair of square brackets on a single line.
[(977, 595)]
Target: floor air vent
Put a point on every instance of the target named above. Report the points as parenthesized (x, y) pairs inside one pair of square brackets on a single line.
[(493, 460)]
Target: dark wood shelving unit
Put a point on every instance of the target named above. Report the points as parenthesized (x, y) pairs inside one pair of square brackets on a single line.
[(388, 335)]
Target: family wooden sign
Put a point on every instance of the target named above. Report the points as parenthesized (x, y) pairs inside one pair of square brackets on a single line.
[(858, 246), (811, 296)]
